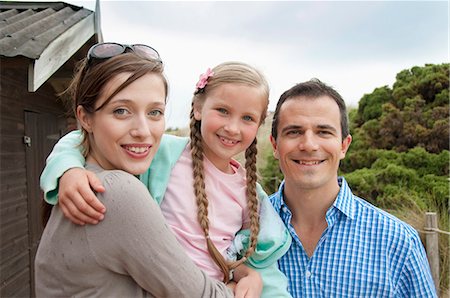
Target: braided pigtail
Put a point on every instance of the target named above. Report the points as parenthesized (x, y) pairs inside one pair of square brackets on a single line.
[(252, 202), (202, 200), (252, 198)]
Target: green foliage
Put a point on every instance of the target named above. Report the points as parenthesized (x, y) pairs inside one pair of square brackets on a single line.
[(425, 163), (424, 81), (392, 186), (414, 113), (369, 106), (442, 98), (271, 174), (359, 159), (417, 158)]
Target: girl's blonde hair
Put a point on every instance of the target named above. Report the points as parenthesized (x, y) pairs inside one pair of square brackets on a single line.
[(235, 73)]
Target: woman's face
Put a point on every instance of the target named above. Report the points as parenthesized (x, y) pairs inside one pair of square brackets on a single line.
[(126, 132)]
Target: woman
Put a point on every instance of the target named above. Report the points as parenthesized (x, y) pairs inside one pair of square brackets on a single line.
[(119, 95)]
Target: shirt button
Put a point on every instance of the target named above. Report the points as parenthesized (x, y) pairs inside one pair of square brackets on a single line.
[(308, 274)]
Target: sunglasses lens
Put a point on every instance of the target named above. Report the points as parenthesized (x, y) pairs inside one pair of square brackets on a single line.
[(107, 50), (110, 49), (146, 51)]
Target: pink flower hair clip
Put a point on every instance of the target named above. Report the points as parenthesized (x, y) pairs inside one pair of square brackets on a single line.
[(203, 81)]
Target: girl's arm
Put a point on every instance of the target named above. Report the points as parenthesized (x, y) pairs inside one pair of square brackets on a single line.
[(77, 199), (65, 180), (65, 155), (249, 282), (134, 240), (274, 241)]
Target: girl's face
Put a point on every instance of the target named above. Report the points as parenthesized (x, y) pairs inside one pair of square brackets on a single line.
[(230, 115), (126, 132)]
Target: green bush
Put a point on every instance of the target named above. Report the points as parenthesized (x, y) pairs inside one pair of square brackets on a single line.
[(271, 175)]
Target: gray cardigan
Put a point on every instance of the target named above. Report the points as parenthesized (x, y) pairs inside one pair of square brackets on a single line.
[(131, 253)]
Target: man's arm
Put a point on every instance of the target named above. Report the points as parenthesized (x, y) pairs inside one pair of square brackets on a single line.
[(416, 279)]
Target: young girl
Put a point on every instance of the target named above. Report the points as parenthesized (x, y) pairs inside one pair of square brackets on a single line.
[(205, 195), (119, 95)]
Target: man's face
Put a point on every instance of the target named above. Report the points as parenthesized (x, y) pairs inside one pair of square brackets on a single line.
[(309, 145)]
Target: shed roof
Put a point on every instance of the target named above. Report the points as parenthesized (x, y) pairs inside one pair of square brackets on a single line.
[(48, 33), (27, 28)]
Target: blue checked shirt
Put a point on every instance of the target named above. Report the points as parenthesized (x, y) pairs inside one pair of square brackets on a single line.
[(364, 252)]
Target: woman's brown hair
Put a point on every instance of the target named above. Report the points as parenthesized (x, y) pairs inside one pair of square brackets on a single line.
[(235, 73), (89, 81)]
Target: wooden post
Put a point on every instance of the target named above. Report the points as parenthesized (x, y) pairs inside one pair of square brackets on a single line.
[(432, 246)]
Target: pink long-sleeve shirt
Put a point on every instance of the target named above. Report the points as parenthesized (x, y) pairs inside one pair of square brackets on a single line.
[(227, 209)]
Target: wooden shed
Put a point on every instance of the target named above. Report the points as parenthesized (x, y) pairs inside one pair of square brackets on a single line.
[(40, 43)]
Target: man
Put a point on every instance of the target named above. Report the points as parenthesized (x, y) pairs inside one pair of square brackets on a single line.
[(342, 245)]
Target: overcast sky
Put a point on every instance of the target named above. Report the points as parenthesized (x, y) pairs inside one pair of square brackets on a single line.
[(355, 46)]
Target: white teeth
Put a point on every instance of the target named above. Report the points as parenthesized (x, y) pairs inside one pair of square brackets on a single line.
[(308, 163), (231, 142), (137, 149)]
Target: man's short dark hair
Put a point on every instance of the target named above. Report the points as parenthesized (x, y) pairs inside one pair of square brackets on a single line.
[(312, 89)]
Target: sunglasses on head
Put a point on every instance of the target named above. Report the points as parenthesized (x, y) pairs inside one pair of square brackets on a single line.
[(108, 50)]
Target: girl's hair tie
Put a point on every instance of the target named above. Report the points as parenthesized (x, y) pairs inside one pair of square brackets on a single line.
[(203, 81)]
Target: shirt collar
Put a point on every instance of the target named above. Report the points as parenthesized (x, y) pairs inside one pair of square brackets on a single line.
[(344, 202)]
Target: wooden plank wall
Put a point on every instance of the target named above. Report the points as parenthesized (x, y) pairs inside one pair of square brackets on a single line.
[(14, 231)]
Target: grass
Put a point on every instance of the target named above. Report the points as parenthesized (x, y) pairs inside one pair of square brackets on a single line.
[(417, 220)]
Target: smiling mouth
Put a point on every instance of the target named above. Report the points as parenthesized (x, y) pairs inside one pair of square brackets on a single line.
[(137, 150), (308, 162), (228, 141)]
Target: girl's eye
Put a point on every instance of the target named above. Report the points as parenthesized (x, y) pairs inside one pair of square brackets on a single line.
[(247, 118), (120, 111)]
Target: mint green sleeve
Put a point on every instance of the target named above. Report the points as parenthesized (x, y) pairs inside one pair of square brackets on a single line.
[(274, 241), (65, 155), (156, 178), (275, 283)]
